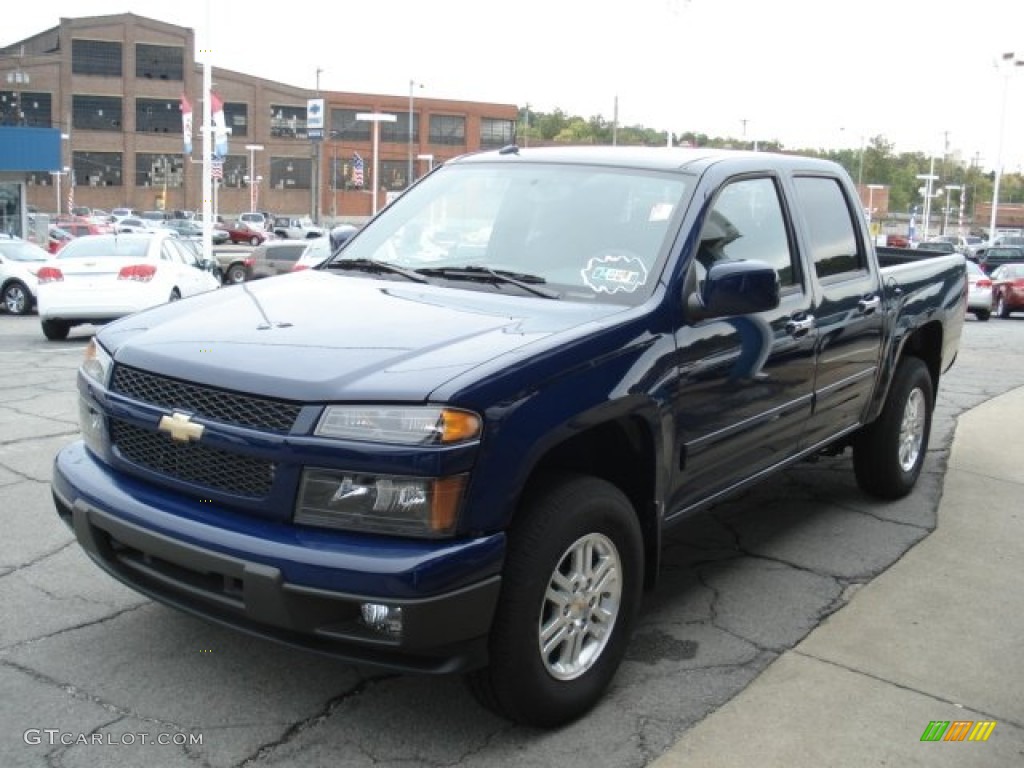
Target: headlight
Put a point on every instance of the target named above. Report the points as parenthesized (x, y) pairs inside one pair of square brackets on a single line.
[(97, 363), (425, 507), (400, 425)]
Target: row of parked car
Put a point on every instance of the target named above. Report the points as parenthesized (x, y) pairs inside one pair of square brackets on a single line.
[(101, 277)]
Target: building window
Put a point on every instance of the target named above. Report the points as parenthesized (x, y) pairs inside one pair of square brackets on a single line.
[(287, 122), (157, 116), (393, 174), (25, 108), (96, 57), (496, 133), (345, 126), (96, 113), (448, 130), (159, 62), (97, 169), (236, 117), (156, 170), (398, 131), (235, 171), (291, 173)]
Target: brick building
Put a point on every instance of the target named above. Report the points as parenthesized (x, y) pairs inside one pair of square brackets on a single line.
[(113, 86)]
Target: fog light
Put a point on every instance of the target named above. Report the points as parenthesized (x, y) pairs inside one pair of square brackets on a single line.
[(385, 619)]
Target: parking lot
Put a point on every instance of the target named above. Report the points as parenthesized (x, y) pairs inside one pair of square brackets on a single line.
[(98, 675)]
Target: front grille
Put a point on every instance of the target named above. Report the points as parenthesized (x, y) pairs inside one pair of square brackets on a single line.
[(193, 462), (206, 402)]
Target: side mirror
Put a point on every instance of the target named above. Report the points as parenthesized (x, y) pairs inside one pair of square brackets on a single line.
[(735, 288)]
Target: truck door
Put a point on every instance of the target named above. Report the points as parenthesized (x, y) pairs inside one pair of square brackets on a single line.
[(745, 382), (847, 311)]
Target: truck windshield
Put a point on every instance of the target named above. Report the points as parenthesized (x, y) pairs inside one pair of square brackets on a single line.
[(583, 232)]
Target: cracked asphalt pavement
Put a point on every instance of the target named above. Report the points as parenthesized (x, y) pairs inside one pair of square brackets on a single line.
[(95, 674)]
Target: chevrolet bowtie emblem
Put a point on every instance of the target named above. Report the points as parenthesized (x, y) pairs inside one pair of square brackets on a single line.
[(180, 427)]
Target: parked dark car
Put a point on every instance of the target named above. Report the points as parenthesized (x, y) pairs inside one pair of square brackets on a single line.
[(193, 230), (994, 256)]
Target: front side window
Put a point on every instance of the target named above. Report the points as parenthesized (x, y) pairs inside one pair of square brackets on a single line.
[(747, 222), (830, 226)]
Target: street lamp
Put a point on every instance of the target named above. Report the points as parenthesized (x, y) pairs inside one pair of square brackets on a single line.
[(376, 118), (927, 194), (253, 149), (945, 211), (1010, 61), (56, 180), (412, 84)]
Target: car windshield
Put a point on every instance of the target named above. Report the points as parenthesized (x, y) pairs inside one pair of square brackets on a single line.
[(585, 232), (21, 251), (101, 246)]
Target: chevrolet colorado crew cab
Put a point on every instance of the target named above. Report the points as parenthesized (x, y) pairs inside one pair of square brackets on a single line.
[(456, 445)]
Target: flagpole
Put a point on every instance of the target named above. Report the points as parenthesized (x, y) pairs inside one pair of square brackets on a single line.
[(207, 133)]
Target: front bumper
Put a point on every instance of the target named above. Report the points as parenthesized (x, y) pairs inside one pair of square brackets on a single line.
[(273, 588)]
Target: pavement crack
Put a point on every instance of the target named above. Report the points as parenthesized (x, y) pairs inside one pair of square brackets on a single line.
[(296, 729), (65, 630), (910, 689), (38, 559)]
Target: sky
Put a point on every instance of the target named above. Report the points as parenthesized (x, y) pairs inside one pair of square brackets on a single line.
[(822, 74)]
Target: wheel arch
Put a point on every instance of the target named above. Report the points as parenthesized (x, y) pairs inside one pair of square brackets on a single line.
[(621, 451)]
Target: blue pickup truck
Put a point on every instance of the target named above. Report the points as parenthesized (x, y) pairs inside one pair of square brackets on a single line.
[(455, 446)]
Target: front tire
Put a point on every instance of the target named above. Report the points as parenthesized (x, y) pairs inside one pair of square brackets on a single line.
[(1001, 308), (889, 453), (570, 594), (983, 315), (56, 330), (17, 298), (236, 274), (254, 240)]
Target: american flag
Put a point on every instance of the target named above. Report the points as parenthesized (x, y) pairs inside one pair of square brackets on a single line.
[(216, 169), (357, 170)]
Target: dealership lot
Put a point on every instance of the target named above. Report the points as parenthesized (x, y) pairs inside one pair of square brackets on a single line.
[(96, 674)]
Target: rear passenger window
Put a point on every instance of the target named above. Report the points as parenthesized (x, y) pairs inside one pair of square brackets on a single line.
[(830, 227)]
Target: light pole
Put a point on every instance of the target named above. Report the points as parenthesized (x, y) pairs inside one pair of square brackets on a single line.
[(945, 211), (253, 149), (376, 118), (926, 192), (412, 84), (1010, 61), (429, 160)]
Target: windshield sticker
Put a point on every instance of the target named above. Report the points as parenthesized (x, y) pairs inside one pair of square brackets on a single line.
[(611, 274), (660, 212)]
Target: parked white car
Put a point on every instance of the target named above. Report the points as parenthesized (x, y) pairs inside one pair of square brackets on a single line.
[(19, 262), (103, 277)]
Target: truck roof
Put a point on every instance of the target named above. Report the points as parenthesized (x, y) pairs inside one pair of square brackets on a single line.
[(655, 158)]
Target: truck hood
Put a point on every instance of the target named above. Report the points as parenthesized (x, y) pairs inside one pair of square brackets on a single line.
[(314, 336)]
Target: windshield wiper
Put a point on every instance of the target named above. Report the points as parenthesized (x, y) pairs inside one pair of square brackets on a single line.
[(372, 265), (529, 283)]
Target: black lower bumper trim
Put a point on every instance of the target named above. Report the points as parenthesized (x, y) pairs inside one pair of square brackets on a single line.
[(441, 634)]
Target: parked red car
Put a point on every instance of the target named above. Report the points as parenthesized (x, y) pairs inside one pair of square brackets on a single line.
[(240, 232), (1008, 289)]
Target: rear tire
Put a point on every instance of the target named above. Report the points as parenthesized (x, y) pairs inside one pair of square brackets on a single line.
[(56, 330), (254, 240), (889, 453), (570, 594), (17, 298), (175, 295), (1001, 308)]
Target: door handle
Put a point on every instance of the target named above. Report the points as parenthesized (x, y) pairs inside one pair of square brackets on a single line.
[(798, 327), (869, 305)]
